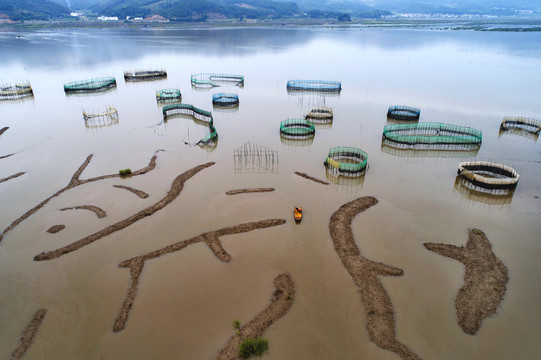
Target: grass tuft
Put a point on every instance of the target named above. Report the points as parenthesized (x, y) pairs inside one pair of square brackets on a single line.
[(253, 347)]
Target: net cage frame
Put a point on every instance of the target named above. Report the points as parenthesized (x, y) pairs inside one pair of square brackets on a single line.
[(526, 124), (107, 118), (168, 95), (210, 80), (16, 91), (333, 164), (255, 158), (315, 85), (403, 112), (225, 99), (429, 135), (95, 84), (320, 115), (488, 175), (297, 129), (196, 113), (141, 75)]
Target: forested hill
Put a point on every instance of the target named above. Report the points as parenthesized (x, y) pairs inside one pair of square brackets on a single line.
[(32, 9)]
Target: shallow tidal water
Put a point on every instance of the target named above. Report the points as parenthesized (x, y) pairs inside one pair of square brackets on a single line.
[(187, 300)]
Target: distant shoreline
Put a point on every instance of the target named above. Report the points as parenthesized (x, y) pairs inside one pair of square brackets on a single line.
[(502, 24)]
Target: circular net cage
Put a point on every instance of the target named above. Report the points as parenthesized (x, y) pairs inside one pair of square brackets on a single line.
[(320, 115), (168, 95), (346, 161), (15, 91), (314, 85), (206, 80), (431, 136), (518, 123), (488, 176), (297, 129), (196, 113), (223, 99), (403, 112), (103, 119), (145, 75), (90, 85)]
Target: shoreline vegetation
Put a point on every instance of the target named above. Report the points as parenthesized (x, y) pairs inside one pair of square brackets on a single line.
[(499, 24)]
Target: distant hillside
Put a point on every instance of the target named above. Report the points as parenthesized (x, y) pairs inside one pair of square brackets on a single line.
[(355, 8), (198, 10), (77, 5), (32, 9), (457, 7)]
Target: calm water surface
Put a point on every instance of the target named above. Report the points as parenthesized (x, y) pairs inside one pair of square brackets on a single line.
[(188, 300)]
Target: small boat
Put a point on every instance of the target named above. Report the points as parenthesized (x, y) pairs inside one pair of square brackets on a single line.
[(297, 214)]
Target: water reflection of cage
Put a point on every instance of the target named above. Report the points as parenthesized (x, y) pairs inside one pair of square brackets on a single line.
[(144, 75), (297, 129), (297, 142), (448, 152), (16, 91), (207, 81), (403, 112), (254, 158), (488, 176), (346, 161), (526, 135), (434, 136), (344, 184), (473, 195), (314, 85), (97, 120)]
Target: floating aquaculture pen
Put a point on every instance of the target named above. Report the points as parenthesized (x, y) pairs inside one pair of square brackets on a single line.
[(107, 118), (431, 136), (206, 80), (488, 175), (255, 158), (90, 85), (168, 95), (144, 75), (314, 85), (225, 99), (15, 91), (320, 115), (297, 129), (403, 112), (518, 123), (346, 161), (196, 113)]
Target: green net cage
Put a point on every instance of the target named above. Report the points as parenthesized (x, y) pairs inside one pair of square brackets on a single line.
[(196, 113), (168, 95), (90, 85), (209, 80), (403, 112), (297, 129), (346, 161), (431, 135), (314, 85)]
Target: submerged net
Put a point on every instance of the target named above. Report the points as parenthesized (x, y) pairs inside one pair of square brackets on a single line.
[(403, 112), (90, 85), (168, 95), (144, 75), (206, 80), (431, 135), (223, 99), (314, 85), (521, 123), (199, 114), (297, 129), (347, 161), (15, 91)]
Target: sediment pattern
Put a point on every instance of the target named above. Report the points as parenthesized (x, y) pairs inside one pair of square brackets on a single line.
[(56, 228), (244, 191), (377, 304), (3, 130), (29, 334), (306, 176), (11, 177), (281, 301), (174, 192), (485, 279), (141, 194), (74, 182), (100, 213), (211, 239), (6, 156)]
